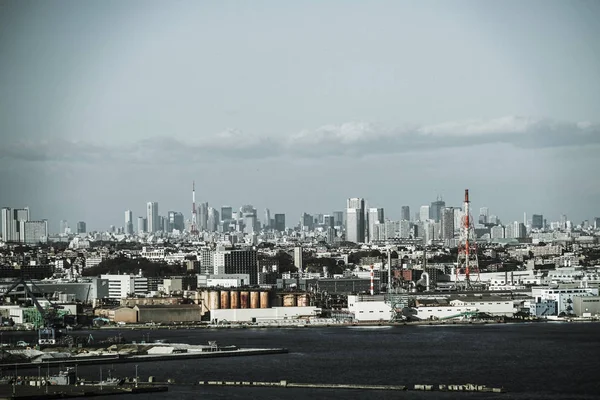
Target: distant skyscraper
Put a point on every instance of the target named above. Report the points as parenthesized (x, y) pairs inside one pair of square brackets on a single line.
[(405, 213), (435, 211), (307, 222), (20, 215), (267, 221), (483, 215), (203, 216), (213, 220), (152, 217), (81, 228), (355, 220), (129, 222), (374, 216), (563, 221), (141, 225), (338, 218), (537, 221), (226, 213), (64, 225), (7, 225), (328, 221), (424, 213), (280, 222), (35, 232), (447, 227)]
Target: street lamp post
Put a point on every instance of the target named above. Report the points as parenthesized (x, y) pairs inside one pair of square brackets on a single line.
[(136, 375)]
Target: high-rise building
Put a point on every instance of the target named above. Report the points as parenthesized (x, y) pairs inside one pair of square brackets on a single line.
[(435, 211), (338, 218), (537, 221), (152, 217), (405, 213), (374, 216), (64, 225), (280, 222), (267, 221), (497, 232), (355, 220), (226, 213), (307, 222), (141, 225), (597, 223), (129, 222), (424, 213), (81, 228), (19, 215), (213, 220), (483, 215), (236, 262), (328, 221), (298, 258), (563, 221), (202, 217), (518, 230), (447, 227), (35, 231), (7, 225)]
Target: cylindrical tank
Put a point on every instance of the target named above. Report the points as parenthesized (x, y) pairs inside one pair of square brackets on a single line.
[(205, 299), (254, 300), (302, 300), (224, 299), (235, 299), (244, 299), (264, 299), (289, 300), (214, 300)]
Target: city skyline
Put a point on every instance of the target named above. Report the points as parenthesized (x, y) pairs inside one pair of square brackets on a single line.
[(395, 102)]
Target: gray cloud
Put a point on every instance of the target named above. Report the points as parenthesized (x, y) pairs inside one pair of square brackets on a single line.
[(348, 139)]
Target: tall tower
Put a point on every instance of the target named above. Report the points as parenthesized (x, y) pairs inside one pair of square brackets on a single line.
[(467, 264), (152, 216), (194, 229)]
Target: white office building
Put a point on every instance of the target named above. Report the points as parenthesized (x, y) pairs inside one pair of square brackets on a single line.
[(122, 286), (152, 217)]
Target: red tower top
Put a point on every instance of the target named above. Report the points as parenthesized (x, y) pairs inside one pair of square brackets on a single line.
[(466, 195)]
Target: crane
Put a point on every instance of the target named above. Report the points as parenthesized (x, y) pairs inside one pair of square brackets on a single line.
[(47, 332)]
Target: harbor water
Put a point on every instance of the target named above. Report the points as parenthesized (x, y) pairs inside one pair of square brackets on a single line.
[(539, 361)]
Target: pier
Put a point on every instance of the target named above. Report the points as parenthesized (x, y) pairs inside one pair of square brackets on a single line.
[(22, 392), (469, 387)]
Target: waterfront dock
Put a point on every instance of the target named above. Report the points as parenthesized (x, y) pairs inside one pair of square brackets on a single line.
[(351, 386), (121, 358), (22, 392)]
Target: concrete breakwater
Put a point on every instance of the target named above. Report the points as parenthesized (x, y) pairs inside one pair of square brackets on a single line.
[(120, 358), (285, 384)]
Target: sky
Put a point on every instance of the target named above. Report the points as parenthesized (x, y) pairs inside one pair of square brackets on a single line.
[(297, 106)]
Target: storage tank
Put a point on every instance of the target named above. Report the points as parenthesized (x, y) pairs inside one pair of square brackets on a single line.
[(289, 300), (205, 299), (235, 299), (244, 299), (254, 300), (214, 300), (264, 299), (224, 299), (302, 300)]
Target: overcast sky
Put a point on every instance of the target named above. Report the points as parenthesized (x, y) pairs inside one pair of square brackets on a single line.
[(297, 106)]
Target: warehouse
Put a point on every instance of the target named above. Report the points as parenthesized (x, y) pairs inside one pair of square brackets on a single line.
[(167, 313)]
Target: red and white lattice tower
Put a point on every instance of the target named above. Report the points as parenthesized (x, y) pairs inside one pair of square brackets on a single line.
[(194, 230), (372, 279), (467, 266)]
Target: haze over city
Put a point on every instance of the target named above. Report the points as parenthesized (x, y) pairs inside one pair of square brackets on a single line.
[(298, 106)]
